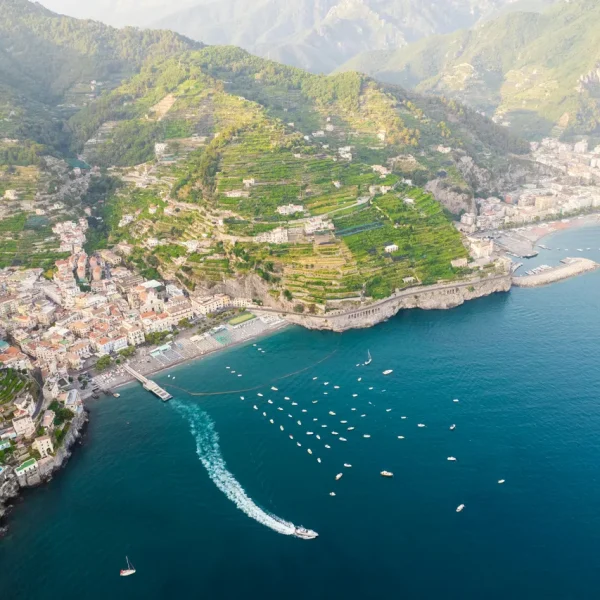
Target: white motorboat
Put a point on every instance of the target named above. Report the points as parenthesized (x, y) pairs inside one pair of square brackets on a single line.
[(309, 433), (347, 465), (366, 435), (350, 428), (452, 458), (318, 460), (305, 534), (452, 427), (327, 446), (460, 508), (332, 413), (271, 421), (369, 359), (281, 427), (270, 401), (386, 474), (332, 493), (501, 480), (388, 372), (400, 437), (309, 451), (255, 407), (343, 439), (274, 388), (420, 425), (339, 476)]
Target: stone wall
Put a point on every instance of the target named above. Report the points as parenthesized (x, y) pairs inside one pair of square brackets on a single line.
[(442, 296)]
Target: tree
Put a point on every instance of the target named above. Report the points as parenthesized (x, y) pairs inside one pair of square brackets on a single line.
[(299, 308), (287, 295), (104, 362)]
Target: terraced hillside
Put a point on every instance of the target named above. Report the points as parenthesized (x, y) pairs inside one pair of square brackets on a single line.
[(235, 167)]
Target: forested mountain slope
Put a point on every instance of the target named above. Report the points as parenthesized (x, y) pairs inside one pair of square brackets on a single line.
[(535, 71), (320, 35)]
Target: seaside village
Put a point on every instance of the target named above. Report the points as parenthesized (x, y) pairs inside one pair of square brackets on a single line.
[(91, 316), (77, 332), (570, 188)]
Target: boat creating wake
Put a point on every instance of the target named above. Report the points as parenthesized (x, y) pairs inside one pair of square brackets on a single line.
[(209, 452)]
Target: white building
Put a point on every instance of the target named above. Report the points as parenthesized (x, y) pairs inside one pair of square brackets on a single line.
[(276, 236), (43, 445), (24, 426), (290, 209), (391, 248)]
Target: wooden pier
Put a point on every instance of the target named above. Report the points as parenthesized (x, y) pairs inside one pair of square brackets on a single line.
[(149, 385)]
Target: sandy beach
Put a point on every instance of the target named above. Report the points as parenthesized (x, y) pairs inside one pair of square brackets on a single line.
[(184, 350)]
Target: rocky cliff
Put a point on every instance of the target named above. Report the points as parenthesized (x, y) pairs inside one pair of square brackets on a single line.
[(10, 484), (435, 297)]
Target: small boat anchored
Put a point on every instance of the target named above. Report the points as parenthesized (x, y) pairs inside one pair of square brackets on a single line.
[(386, 474), (388, 372), (130, 570), (460, 508), (452, 427)]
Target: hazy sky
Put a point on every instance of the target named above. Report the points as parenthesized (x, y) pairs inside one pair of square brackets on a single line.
[(120, 12)]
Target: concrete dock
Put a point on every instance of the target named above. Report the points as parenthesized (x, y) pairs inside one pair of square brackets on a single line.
[(569, 268), (149, 385)]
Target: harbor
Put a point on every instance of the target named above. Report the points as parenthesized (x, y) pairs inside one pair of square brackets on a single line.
[(544, 274)]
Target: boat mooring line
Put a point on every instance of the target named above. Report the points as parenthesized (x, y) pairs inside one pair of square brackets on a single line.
[(256, 387)]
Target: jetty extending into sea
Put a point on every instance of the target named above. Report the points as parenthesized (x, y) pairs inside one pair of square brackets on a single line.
[(569, 268), (149, 385)]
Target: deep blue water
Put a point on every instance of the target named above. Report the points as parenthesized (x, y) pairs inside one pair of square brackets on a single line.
[(525, 368)]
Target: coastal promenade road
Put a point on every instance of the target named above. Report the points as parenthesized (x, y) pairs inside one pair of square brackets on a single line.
[(415, 291)]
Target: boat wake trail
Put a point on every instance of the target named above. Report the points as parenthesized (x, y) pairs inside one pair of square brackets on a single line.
[(209, 452)]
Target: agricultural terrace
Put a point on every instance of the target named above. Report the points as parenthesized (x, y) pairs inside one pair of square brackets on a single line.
[(12, 384)]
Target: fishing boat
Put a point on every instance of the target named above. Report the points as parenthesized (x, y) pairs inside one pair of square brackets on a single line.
[(369, 359), (388, 371), (386, 474), (130, 570)]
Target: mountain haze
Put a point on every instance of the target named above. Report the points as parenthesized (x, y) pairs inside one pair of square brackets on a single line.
[(538, 72), (320, 35)]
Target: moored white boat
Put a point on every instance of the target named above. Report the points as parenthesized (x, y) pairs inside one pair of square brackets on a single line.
[(388, 372), (460, 508), (130, 570), (386, 474)]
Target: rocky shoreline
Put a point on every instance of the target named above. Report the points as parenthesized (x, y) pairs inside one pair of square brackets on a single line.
[(12, 486)]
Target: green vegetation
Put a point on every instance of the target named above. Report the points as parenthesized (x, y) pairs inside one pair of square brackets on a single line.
[(525, 66), (61, 414), (243, 318), (12, 383), (104, 362)]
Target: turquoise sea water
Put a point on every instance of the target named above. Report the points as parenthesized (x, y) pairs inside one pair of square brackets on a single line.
[(188, 489)]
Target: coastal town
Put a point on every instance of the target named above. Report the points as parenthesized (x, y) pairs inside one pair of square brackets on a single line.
[(66, 338)]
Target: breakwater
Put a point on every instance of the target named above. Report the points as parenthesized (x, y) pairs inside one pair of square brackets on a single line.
[(570, 267)]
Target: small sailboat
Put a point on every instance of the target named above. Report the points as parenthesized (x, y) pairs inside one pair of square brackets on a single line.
[(369, 359), (130, 570)]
